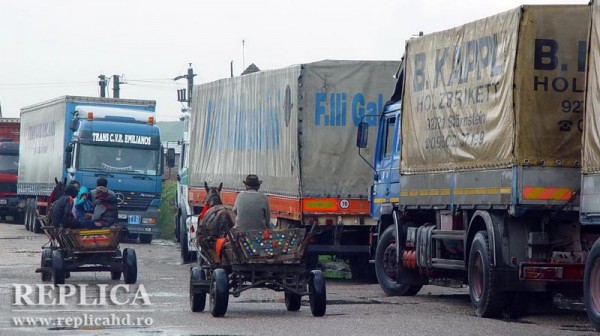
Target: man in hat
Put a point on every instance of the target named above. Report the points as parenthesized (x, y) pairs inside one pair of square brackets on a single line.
[(252, 207)]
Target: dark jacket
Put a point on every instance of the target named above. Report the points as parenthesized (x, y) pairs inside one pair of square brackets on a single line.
[(61, 210), (105, 207)]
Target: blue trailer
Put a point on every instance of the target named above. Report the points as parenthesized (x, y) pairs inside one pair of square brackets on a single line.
[(84, 138)]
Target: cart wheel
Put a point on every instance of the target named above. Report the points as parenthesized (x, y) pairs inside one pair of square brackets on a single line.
[(317, 293), (58, 268), (129, 266), (116, 275), (219, 293), (293, 301), (46, 262), (197, 300)]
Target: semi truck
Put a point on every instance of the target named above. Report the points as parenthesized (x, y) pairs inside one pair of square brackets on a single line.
[(11, 205), (84, 138), (478, 162), (295, 128)]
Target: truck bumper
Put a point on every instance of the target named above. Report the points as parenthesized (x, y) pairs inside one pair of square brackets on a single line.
[(136, 222)]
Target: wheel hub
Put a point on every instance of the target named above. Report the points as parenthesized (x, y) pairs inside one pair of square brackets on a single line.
[(477, 272), (389, 260)]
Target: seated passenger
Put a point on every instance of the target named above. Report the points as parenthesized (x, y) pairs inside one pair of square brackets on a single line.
[(82, 204), (61, 214), (252, 207), (105, 209)]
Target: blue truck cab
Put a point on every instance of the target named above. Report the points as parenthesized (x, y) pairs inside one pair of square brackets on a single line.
[(123, 146)]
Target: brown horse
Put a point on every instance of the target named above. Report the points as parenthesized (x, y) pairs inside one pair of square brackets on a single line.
[(219, 218)]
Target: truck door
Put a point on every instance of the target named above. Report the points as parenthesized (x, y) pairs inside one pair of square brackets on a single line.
[(387, 163)]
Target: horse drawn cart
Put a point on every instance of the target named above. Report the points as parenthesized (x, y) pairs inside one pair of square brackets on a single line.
[(86, 250), (240, 261)]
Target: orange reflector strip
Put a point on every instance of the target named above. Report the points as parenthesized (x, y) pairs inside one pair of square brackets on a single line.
[(547, 194), (322, 204)]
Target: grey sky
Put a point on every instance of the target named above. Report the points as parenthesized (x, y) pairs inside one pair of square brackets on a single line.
[(52, 48)]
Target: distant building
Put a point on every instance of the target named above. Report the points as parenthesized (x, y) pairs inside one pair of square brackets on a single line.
[(250, 69)]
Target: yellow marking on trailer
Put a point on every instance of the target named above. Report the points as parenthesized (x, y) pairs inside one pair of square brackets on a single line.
[(445, 192), (505, 190), (434, 192), (492, 191), (379, 200), (394, 199), (404, 193), (424, 192), (480, 191), (413, 192)]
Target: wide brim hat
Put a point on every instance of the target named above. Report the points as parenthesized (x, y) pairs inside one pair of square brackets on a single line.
[(252, 181)]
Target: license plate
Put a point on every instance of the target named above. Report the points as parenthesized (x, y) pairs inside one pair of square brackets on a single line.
[(133, 219), (3, 201), (122, 216), (148, 229)]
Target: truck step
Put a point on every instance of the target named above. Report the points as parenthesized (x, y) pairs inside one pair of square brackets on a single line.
[(451, 264), (449, 235)]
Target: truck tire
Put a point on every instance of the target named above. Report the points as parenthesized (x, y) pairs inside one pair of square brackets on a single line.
[(386, 268), (146, 238), (484, 287), (591, 285), (177, 228), (183, 243), (28, 214), (219, 293), (37, 224)]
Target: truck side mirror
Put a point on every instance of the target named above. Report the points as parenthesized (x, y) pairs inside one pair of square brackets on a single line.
[(170, 157), (362, 135), (73, 125)]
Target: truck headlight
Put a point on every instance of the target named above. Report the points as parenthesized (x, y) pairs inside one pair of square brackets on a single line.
[(148, 220)]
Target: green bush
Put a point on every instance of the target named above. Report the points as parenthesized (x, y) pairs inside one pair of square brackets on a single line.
[(166, 224)]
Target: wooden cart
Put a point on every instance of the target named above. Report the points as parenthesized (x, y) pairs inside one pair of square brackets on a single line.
[(86, 250), (272, 259)]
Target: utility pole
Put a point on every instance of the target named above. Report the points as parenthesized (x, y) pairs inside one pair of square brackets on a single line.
[(116, 87), (102, 84), (181, 96)]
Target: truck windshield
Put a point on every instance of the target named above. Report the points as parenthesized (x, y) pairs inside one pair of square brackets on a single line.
[(119, 159), (9, 164)]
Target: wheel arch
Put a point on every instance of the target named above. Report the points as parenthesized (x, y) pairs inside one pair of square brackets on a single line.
[(483, 221)]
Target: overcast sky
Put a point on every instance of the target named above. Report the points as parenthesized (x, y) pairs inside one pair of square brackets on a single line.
[(52, 48)]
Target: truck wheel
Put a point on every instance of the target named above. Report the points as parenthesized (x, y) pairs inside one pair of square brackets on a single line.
[(197, 300), (183, 243), (591, 285), (219, 293), (145, 238), (177, 228), (58, 268), (46, 262), (484, 291), (129, 266), (387, 269), (116, 275), (293, 301), (317, 293), (28, 214), (37, 224)]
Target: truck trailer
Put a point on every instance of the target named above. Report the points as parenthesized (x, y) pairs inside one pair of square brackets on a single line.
[(295, 128), (84, 138), (11, 206), (478, 161)]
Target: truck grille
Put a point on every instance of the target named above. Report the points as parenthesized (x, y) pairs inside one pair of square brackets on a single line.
[(134, 201)]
